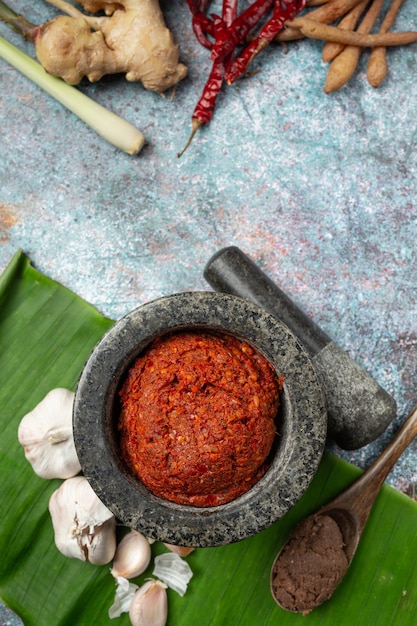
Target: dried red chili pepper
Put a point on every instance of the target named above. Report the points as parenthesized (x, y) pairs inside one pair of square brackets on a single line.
[(202, 25), (227, 41), (204, 109), (230, 32), (283, 10), (229, 11)]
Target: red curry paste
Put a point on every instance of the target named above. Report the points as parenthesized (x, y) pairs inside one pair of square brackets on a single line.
[(198, 417)]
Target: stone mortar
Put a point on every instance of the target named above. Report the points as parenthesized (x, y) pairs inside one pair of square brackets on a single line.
[(302, 436)]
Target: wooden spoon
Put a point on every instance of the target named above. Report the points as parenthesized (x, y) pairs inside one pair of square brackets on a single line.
[(321, 548)]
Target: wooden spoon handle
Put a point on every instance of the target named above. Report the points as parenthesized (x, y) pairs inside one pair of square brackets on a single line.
[(358, 499), (379, 470), (364, 490)]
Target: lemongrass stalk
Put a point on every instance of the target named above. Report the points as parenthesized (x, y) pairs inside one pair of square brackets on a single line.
[(110, 126)]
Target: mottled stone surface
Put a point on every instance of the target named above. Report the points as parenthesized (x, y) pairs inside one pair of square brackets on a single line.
[(303, 422), (359, 409)]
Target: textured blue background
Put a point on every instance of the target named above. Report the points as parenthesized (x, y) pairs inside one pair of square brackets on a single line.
[(319, 190)]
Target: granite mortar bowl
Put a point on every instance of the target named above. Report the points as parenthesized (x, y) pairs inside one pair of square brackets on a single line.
[(303, 421)]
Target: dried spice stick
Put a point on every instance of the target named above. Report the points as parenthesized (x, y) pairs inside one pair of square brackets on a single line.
[(377, 64), (316, 3), (333, 10), (344, 65), (324, 32), (332, 48), (325, 14)]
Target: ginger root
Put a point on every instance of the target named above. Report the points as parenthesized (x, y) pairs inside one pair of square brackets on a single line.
[(131, 38)]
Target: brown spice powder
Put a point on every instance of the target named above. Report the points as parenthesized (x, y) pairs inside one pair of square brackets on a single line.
[(310, 565)]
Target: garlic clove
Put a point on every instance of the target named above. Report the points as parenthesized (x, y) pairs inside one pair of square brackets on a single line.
[(133, 555), (149, 606), (125, 591), (173, 571), (180, 550), (83, 526), (46, 436)]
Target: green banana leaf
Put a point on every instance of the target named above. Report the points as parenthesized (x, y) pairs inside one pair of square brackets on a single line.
[(46, 335)]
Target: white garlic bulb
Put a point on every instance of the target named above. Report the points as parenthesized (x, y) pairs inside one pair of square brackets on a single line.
[(133, 555), (149, 605), (46, 436), (84, 528)]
